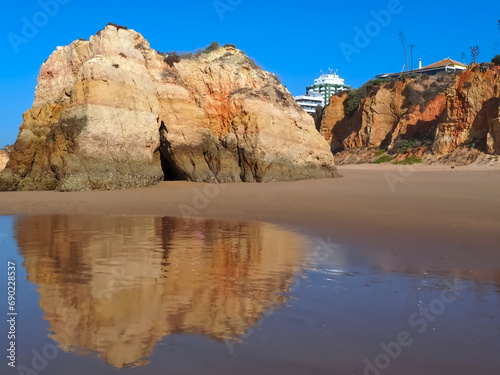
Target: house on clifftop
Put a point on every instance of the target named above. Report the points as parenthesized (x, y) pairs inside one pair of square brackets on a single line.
[(445, 65)]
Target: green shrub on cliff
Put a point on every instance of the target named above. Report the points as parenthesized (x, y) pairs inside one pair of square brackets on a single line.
[(383, 159), (430, 93), (378, 81), (355, 96), (352, 102), (391, 83), (412, 96), (402, 146), (409, 144), (496, 60), (420, 92), (409, 161), (171, 58), (212, 47)]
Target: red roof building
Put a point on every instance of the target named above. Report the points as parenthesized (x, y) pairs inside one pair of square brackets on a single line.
[(445, 65)]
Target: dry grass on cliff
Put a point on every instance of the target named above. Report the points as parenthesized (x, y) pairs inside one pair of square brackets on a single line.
[(420, 91), (173, 57), (118, 27)]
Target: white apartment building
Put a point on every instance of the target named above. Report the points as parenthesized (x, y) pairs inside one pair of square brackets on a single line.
[(324, 87), (310, 102)]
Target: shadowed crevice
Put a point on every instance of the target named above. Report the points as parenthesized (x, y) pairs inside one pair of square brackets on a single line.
[(170, 171)]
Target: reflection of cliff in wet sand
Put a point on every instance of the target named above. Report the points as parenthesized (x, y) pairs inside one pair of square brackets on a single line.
[(118, 285)]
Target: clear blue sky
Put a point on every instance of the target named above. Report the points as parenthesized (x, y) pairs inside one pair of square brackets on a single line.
[(294, 39)]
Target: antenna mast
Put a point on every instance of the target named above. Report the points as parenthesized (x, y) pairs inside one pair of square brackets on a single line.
[(402, 37), (411, 47)]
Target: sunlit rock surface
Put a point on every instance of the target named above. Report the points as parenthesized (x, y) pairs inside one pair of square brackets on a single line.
[(112, 113)]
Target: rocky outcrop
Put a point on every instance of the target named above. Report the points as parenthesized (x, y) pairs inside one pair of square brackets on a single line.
[(461, 156), (493, 138), (443, 113), (113, 113), (122, 284), (472, 111), (4, 158)]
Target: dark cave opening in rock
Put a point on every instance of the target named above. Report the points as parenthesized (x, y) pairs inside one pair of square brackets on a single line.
[(170, 171)]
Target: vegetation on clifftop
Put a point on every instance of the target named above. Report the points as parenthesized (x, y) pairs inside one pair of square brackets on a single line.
[(412, 159), (383, 159), (355, 96), (173, 57), (420, 89)]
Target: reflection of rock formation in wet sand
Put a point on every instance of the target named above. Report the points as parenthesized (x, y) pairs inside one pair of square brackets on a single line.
[(118, 285)]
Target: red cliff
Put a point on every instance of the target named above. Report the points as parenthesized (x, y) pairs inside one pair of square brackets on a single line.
[(442, 114)]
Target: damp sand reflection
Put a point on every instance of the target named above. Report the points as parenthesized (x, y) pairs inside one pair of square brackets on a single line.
[(117, 285)]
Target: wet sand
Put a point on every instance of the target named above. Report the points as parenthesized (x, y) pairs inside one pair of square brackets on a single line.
[(424, 216), (411, 227)]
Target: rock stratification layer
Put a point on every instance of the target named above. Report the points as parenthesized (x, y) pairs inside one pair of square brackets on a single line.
[(446, 113), (113, 113)]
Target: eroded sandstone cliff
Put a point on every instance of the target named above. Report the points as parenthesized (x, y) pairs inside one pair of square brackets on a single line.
[(444, 114), (4, 158), (113, 113)]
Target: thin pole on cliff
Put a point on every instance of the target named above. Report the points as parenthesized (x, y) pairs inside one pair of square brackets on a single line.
[(411, 48), (402, 37)]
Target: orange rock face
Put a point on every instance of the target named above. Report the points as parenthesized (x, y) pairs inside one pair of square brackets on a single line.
[(448, 112), (113, 113), (4, 158)]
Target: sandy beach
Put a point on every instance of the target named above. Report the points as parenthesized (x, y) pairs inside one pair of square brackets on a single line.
[(426, 217), (398, 234), (230, 199)]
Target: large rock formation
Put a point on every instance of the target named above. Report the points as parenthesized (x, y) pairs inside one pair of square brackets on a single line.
[(121, 284), (444, 112), (113, 113)]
